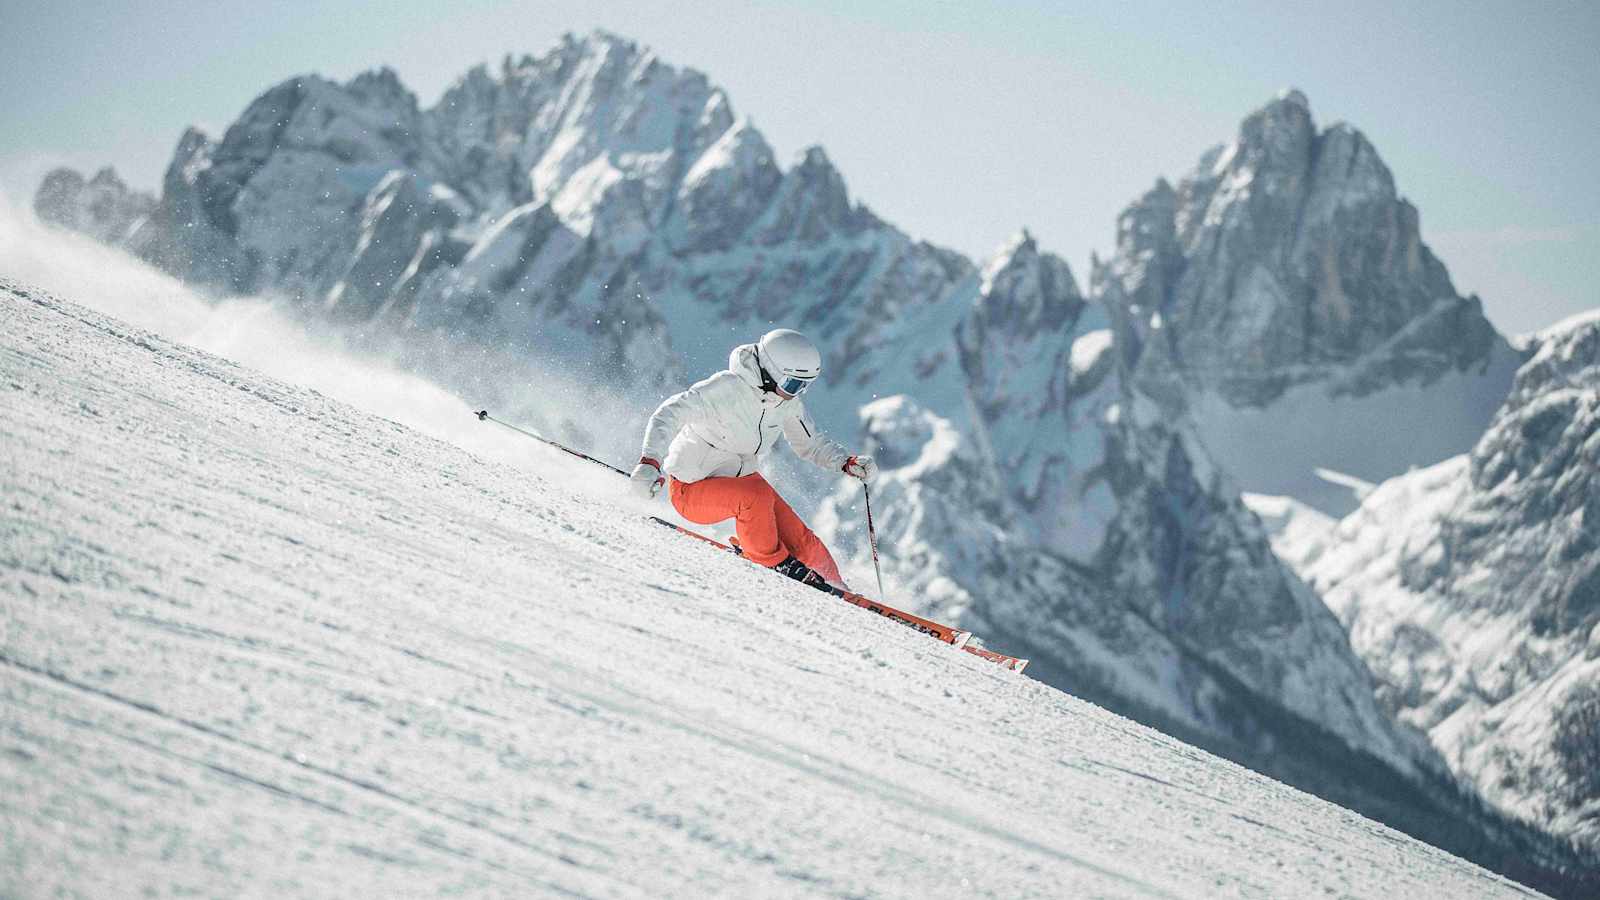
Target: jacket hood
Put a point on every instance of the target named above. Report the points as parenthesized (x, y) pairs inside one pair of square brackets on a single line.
[(742, 362)]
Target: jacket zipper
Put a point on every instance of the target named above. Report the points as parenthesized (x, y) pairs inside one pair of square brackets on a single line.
[(761, 438)]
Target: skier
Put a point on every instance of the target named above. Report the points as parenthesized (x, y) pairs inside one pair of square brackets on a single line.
[(715, 435)]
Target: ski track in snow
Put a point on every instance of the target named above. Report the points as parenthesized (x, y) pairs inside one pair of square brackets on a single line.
[(256, 642)]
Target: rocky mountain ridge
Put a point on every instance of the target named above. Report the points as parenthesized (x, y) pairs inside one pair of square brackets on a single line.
[(1284, 287), (1472, 590)]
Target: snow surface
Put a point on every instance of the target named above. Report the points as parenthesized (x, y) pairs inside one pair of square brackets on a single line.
[(258, 642), (1400, 427), (1565, 326), (1299, 532), (1088, 349)]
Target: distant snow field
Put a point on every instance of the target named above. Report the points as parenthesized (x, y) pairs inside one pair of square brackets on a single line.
[(257, 642)]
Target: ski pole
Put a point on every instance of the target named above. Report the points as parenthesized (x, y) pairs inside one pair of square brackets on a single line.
[(483, 416), (872, 539)]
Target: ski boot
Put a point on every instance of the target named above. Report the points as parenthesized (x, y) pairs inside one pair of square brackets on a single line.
[(804, 574)]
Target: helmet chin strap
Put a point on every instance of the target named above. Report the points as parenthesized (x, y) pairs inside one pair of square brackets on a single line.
[(767, 383)]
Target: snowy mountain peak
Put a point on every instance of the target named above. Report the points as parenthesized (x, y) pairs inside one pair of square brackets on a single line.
[(381, 86), (1146, 250), (1284, 273), (724, 190), (1026, 291), (193, 151), (1277, 139), (606, 43), (106, 179), (813, 204), (1283, 215), (1293, 96), (103, 207), (1567, 354), (815, 158), (1548, 433), (1018, 249)]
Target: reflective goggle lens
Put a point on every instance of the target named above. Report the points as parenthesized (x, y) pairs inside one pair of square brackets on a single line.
[(794, 387)]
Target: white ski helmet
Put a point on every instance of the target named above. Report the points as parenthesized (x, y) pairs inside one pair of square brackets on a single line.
[(789, 361)]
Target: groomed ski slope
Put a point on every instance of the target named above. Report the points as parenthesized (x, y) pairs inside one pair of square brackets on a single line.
[(256, 642)]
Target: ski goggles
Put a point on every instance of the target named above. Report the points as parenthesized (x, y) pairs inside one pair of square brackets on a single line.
[(794, 385)]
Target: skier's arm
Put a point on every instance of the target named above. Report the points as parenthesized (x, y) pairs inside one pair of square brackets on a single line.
[(680, 409), (812, 445), (686, 408)]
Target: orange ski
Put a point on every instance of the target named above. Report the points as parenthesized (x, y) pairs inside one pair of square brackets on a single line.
[(1000, 659), (954, 636), (927, 626)]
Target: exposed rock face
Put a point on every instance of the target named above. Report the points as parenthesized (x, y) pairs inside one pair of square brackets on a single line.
[(1284, 257), (404, 236), (103, 207), (1472, 589), (280, 195), (1283, 286), (1038, 362)]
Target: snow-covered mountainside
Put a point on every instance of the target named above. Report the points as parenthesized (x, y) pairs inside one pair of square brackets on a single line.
[(608, 217), (1472, 589), (1283, 288), (259, 643)]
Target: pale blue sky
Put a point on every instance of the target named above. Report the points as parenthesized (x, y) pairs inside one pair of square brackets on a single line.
[(960, 122)]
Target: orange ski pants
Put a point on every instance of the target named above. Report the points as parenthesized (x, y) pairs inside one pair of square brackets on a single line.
[(768, 529)]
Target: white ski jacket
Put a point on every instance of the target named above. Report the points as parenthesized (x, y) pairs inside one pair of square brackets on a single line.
[(726, 425)]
